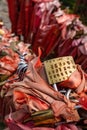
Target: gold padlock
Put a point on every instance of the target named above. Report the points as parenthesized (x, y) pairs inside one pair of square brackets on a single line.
[(59, 69)]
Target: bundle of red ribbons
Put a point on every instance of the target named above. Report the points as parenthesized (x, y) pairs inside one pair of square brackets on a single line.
[(44, 24), (28, 100)]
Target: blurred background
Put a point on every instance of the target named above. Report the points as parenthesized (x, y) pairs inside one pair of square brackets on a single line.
[(4, 13), (73, 6)]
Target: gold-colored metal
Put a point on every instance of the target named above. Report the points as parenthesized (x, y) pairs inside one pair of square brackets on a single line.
[(59, 69), (2, 32), (1, 23)]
